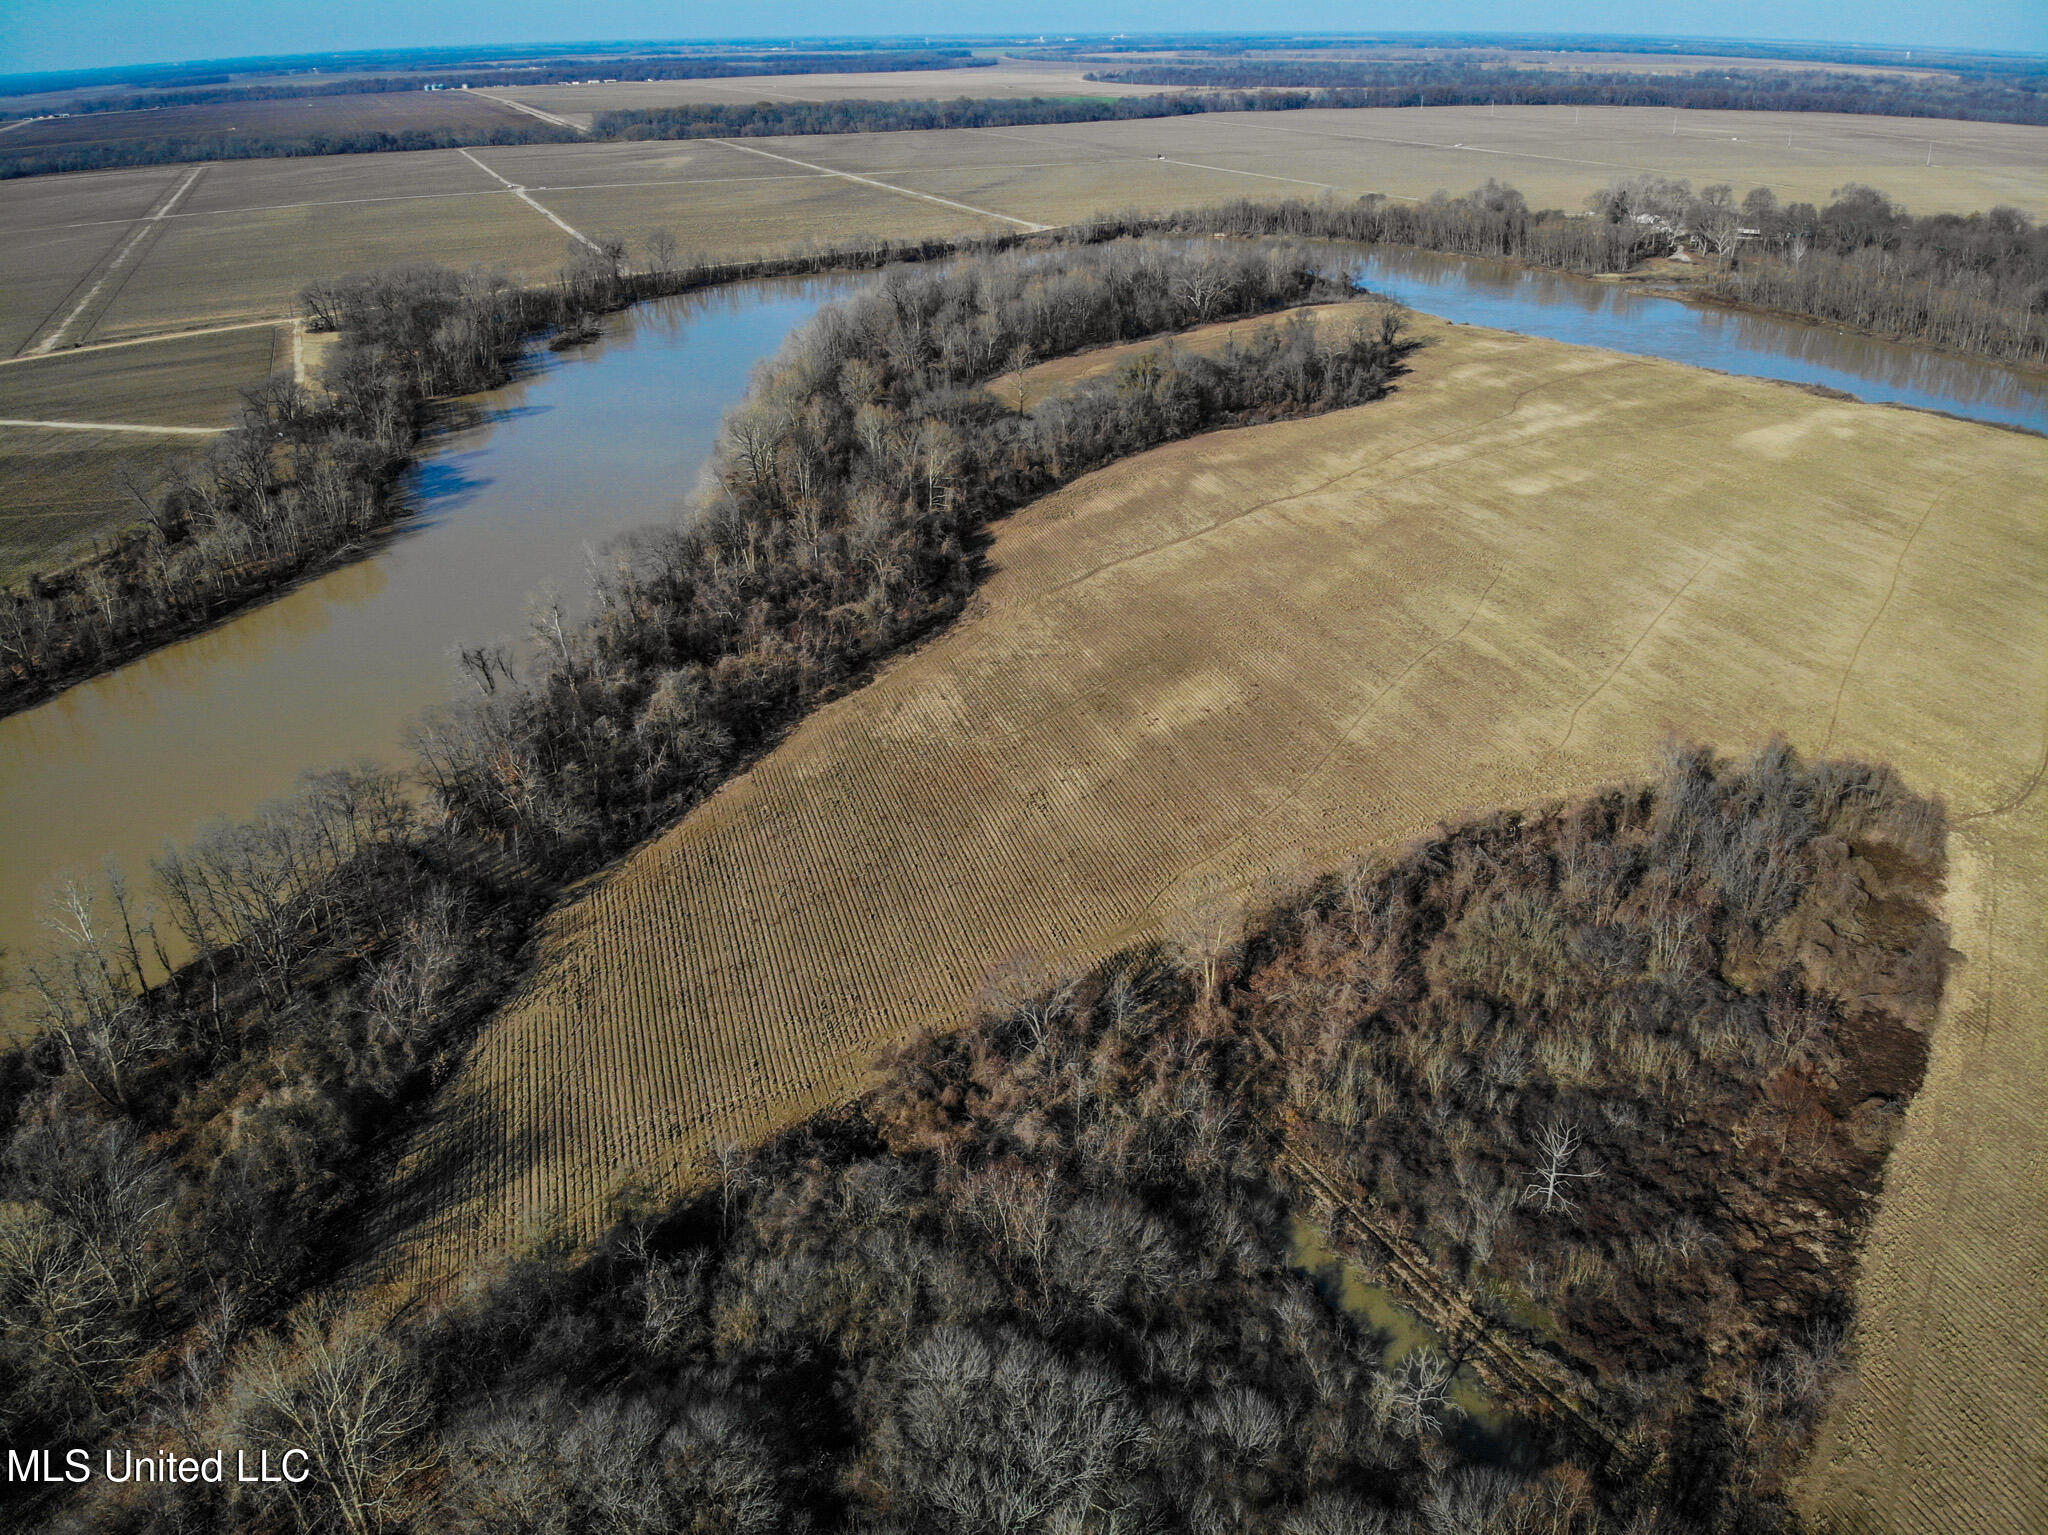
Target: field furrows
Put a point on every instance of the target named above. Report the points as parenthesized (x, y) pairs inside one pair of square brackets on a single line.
[(1261, 651)]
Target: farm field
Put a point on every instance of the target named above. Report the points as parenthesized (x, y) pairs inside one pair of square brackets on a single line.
[(59, 488), (191, 380), (1257, 652), (579, 104), (82, 259), (395, 112), (63, 489)]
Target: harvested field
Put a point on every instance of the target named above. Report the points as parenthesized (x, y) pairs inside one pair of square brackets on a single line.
[(182, 381), (237, 265), (733, 220), (63, 489), (246, 235), (1262, 650), (624, 167), (292, 117), (1012, 78)]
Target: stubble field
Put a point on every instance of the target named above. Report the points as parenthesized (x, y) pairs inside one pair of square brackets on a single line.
[(62, 486), (106, 255), (389, 112), (1261, 651)]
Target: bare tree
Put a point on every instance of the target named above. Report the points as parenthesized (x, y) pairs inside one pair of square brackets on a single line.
[(661, 251), (1560, 1142), (342, 1394), (90, 991), (1423, 1391)]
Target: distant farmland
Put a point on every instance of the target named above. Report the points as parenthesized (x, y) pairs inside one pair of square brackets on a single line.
[(292, 117), (242, 239)]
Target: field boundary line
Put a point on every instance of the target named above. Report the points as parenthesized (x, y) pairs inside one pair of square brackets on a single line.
[(116, 426), (144, 228), (869, 181), (526, 197)]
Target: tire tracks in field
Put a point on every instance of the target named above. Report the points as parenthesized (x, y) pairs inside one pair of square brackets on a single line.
[(1649, 629), (1317, 489), (868, 181), (526, 197), (1898, 569)]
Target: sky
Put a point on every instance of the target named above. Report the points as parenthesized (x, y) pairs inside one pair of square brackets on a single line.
[(86, 34)]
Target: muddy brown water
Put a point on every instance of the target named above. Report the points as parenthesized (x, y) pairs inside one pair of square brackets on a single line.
[(591, 443), (609, 437), (1475, 1421)]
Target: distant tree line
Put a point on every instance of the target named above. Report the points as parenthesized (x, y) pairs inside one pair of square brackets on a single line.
[(1975, 283), (1498, 48), (181, 1159), (1447, 83), (763, 119), (1624, 1072), (112, 154), (219, 88)]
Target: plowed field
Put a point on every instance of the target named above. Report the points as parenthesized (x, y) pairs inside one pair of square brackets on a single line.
[(1269, 648)]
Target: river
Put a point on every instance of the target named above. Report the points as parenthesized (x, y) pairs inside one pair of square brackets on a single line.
[(589, 444), (611, 436)]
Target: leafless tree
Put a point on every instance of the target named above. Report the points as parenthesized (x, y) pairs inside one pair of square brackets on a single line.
[(661, 251), (1555, 1175), (1422, 1391), (342, 1393)]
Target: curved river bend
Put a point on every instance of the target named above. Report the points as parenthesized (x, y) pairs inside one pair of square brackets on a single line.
[(593, 442), (611, 437)]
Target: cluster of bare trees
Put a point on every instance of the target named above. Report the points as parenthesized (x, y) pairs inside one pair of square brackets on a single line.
[(310, 475), (300, 477), (1608, 1059), (1494, 220), (851, 488), (1971, 282), (1974, 283), (1041, 1277), (335, 947), (182, 1140)]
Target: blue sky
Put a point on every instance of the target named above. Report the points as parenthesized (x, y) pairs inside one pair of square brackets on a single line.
[(83, 34)]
